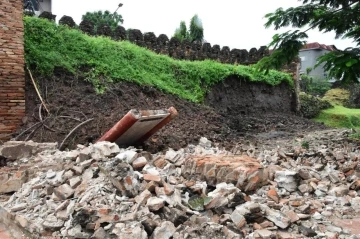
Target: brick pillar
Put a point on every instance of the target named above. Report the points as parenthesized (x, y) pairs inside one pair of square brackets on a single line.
[(12, 75)]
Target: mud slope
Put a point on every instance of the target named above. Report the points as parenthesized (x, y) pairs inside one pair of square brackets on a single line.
[(250, 109)]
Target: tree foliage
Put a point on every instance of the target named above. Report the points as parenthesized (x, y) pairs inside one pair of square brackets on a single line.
[(106, 17), (195, 32), (181, 33), (339, 16)]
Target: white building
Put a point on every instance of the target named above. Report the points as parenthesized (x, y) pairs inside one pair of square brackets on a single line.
[(38, 6)]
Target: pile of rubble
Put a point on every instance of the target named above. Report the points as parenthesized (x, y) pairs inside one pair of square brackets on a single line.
[(303, 189)]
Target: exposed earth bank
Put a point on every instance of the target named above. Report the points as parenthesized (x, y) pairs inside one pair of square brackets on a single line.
[(234, 110)]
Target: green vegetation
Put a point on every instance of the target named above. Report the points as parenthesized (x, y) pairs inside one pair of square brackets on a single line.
[(312, 105), (48, 45), (337, 96), (195, 33), (98, 18), (340, 17), (340, 117)]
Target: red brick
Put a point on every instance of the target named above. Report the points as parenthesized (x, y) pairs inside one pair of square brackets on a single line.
[(12, 75)]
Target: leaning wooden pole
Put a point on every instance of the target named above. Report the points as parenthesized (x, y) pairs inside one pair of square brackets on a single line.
[(297, 89)]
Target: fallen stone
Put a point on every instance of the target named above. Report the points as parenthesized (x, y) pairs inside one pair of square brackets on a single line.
[(164, 231), (155, 203), (244, 172), (306, 231), (272, 194), (64, 191), (53, 223), (19, 207), (128, 156), (139, 163), (74, 182), (99, 234), (339, 191), (287, 179), (278, 218), (14, 150), (264, 234), (238, 218)]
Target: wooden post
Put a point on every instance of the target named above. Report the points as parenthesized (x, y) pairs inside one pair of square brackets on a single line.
[(297, 89)]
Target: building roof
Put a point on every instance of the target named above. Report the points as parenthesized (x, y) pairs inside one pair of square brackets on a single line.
[(316, 45)]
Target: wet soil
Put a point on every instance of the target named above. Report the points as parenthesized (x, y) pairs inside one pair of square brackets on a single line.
[(235, 110)]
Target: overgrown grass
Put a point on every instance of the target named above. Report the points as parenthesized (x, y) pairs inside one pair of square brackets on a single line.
[(337, 96), (340, 117), (48, 45)]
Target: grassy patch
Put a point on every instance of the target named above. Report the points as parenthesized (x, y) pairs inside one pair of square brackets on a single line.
[(48, 45), (337, 96), (340, 117)]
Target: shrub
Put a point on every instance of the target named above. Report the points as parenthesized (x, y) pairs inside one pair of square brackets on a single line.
[(312, 105), (337, 96)]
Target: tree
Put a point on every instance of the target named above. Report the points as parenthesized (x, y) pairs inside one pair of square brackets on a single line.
[(195, 32), (339, 16), (181, 33), (99, 17)]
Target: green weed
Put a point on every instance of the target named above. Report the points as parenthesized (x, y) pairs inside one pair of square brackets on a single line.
[(48, 45)]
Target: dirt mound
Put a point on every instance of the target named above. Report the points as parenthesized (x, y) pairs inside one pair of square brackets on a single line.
[(250, 109)]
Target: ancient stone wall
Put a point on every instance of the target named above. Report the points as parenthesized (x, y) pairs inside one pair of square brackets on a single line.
[(172, 47), (12, 76)]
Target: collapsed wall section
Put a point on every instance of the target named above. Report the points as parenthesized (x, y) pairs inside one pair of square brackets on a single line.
[(12, 75)]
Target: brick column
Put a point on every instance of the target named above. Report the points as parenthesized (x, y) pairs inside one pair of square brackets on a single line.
[(12, 75)]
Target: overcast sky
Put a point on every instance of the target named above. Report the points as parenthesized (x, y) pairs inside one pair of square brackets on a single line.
[(233, 23)]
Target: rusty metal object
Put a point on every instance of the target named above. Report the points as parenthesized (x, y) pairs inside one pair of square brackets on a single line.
[(173, 114), (138, 125)]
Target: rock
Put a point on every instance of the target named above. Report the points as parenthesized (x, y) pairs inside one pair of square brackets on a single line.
[(155, 203), (172, 156), (64, 191), (52, 223), (128, 156), (12, 183), (14, 150), (264, 233), (278, 218), (164, 231), (149, 225), (238, 218), (103, 149), (99, 234), (175, 215), (306, 231), (168, 189), (77, 232), (287, 179), (292, 216), (150, 177), (305, 188), (142, 198), (74, 182), (205, 143), (19, 207), (339, 191), (244, 172), (272, 194), (139, 163)]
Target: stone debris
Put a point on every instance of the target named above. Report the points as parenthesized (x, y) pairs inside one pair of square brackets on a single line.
[(103, 191)]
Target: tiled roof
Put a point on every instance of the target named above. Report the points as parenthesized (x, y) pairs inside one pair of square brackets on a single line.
[(316, 45)]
